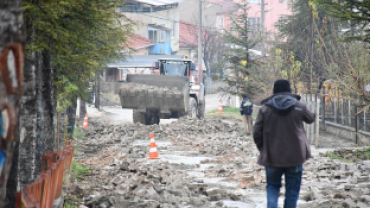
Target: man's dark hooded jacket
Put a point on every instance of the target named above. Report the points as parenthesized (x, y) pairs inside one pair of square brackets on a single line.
[(279, 133)]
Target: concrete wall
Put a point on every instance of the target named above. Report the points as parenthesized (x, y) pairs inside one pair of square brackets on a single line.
[(189, 12), (348, 133)]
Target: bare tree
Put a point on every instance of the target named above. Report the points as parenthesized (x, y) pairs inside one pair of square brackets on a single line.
[(210, 41)]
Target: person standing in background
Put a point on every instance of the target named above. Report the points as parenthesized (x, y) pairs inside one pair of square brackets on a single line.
[(246, 109), (281, 139)]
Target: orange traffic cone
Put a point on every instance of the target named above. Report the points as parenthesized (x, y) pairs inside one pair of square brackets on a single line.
[(220, 108), (153, 152), (86, 121)]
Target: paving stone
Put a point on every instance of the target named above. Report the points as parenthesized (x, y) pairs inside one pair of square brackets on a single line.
[(362, 205), (124, 166), (365, 198), (117, 180), (141, 192), (361, 179), (215, 191), (247, 178), (349, 203), (324, 204), (104, 205), (216, 197), (82, 189)]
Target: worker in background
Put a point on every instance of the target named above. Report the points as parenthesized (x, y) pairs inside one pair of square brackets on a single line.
[(246, 109), (281, 139)]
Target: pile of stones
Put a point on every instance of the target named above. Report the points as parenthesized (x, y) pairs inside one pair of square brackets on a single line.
[(349, 154), (121, 176), (143, 87)]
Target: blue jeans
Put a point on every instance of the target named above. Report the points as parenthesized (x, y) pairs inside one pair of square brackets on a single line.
[(293, 178)]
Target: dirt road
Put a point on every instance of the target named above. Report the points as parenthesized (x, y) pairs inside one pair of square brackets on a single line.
[(203, 163), (115, 115)]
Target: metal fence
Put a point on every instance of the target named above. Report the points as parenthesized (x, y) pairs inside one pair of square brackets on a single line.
[(312, 130), (343, 112), (43, 192), (336, 111)]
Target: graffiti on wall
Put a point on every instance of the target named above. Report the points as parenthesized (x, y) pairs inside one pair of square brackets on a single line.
[(11, 76)]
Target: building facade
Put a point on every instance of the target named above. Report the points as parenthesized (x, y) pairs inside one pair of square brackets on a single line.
[(156, 20)]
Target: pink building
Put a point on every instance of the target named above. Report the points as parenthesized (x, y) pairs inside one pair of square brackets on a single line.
[(275, 10), (224, 17)]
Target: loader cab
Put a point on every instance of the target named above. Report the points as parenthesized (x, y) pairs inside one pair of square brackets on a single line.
[(175, 67)]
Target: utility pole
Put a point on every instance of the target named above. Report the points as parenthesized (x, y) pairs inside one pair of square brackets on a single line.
[(97, 90), (311, 74), (200, 51), (263, 25)]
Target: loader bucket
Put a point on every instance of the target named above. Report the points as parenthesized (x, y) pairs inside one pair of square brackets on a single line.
[(165, 94)]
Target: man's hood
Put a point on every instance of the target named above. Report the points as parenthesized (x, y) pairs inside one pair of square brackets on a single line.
[(282, 103)]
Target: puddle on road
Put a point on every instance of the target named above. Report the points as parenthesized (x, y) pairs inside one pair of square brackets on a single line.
[(219, 182), (177, 159), (147, 143), (239, 204)]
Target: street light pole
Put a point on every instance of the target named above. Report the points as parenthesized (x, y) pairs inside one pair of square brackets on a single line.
[(200, 51)]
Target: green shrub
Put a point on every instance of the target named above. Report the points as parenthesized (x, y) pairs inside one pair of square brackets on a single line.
[(78, 134), (78, 170)]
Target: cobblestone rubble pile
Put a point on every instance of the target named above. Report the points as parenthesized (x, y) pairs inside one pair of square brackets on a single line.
[(121, 176), (138, 86)]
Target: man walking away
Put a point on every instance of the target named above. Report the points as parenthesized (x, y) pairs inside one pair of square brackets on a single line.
[(246, 110), (281, 139)]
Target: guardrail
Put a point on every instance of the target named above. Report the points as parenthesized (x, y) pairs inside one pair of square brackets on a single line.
[(43, 192)]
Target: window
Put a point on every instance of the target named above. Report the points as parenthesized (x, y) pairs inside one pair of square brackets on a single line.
[(223, 22), (280, 23), (168, 36), (254, 23), (175, 68), (154, 36), (173, 28), (162, 36), (111, 72), (250, 22), (218, 22)]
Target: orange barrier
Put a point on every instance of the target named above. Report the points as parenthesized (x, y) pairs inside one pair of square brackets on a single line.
[(42, 193)]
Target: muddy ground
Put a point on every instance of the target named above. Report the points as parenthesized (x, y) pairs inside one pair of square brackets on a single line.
[(203, 163)]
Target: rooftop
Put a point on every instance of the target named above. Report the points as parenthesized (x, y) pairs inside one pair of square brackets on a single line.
[(159, 27), (139, 61), (137, 42), (188, 34), (159, 2), (226, 5)]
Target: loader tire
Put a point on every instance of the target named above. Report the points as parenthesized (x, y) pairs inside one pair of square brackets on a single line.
[(154, 119), (192, 108), (201, 109), (139, 117)]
